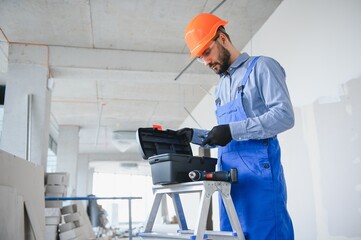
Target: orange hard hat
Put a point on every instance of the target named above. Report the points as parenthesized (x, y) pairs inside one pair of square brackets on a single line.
[(200, 32)]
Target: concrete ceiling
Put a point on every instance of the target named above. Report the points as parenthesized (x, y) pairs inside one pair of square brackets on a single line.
[(114, 63)]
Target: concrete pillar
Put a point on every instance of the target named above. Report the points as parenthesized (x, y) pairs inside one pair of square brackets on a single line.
[(90, 180), (27, 74), (83, 176), (4, 53), (67, 154)]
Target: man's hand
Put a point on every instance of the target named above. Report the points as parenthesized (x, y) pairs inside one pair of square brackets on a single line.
[(186, 132), (219, 135)]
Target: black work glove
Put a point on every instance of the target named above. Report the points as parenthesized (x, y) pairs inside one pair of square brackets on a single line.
[(219, 135), (187, 133)]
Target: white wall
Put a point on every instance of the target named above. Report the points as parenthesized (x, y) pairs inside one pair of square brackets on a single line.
[(319, 44)]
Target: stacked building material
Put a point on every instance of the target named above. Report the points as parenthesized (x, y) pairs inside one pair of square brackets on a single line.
[(52, 220), (64, 222), (55, 186), (72, 226)]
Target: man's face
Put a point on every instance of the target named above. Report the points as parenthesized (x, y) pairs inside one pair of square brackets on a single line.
[(216, 56), (219, 62)]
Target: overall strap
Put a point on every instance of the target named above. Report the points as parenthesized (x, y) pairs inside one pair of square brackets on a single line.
[(249, 70)]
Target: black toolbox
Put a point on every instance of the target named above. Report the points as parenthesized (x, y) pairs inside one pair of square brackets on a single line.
[(170, 156)]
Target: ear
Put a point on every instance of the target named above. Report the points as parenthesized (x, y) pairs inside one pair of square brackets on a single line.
[(223, 39)]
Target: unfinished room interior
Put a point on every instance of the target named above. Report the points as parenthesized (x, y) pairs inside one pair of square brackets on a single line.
[(159, 119)]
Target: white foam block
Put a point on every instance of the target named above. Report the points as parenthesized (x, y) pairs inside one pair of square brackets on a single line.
[(52, 212), (53, 204), (55, 189), (56, 195), (57, 178), (52, 220), (72, 217), (71, 234), (51, 228), (85, 222), (79, 223), (69, 209), (51, 235), (67, 226)]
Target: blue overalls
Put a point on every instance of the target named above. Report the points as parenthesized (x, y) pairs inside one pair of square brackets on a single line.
[(260, 194)]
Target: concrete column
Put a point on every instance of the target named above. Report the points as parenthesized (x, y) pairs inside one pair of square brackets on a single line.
[(90, 180), (4, 53), (67, 154), (27, 74), (83, 176)]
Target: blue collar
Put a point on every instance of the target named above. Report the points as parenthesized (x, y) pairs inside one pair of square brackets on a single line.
[(236, 64)]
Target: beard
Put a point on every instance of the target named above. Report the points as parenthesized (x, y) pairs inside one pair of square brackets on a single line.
[(223, 60)]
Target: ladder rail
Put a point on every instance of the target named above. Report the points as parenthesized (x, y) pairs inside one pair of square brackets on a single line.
[(207, 189)]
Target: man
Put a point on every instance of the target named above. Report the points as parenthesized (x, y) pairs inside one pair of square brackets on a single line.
[(253, 106)]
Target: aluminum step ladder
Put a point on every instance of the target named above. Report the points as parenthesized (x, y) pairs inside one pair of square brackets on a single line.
[(207, 188)]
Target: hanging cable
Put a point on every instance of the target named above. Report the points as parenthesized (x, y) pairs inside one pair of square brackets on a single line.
[(190, 114)]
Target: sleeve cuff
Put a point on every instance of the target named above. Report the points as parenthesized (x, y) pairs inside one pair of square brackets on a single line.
[(238, 130), (198, 134)]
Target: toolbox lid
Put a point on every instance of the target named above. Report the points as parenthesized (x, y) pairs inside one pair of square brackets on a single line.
[(153, 142)]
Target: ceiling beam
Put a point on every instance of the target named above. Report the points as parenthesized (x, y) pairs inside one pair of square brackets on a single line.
[(121, 60)]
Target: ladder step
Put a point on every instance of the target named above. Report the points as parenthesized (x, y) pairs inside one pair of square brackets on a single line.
[(188, 234), (163, 236)]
